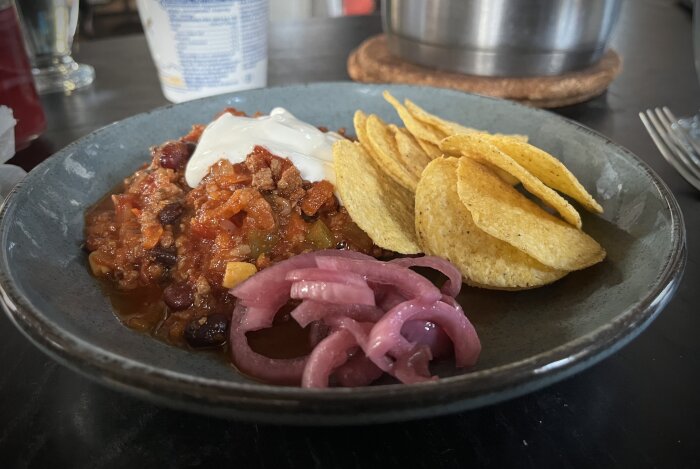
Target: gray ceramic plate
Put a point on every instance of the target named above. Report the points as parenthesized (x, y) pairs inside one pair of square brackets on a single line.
[(530, 339)]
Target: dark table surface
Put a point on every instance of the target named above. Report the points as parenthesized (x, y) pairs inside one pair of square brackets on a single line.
[(638, 408)]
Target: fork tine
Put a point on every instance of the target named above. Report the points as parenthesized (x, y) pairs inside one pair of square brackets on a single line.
[(664, 149), (660, 144), (682, 131), (678, 143), (675, 149)]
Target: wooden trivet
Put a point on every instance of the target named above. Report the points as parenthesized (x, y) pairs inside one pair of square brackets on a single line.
[(371, 62)]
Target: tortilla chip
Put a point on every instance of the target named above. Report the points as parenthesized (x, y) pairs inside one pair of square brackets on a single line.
[(386, 154), (430, 149), (505, 175), (547, 169), (449, 127), (412, 155), (378, 205), (480, 148), (428, 135), (506, 214), (445, 228), (445, 126), (359, 121), (418, 129)]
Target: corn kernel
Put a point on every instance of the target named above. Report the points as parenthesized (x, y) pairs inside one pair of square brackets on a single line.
[(236, 272)]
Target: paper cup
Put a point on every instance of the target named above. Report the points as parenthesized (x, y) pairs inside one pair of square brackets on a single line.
[(206, 47)]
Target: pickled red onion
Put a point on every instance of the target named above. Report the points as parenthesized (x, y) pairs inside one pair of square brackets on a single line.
[(332, 292), (376, 316)]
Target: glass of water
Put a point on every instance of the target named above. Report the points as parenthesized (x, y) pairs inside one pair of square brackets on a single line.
[(49, 27)]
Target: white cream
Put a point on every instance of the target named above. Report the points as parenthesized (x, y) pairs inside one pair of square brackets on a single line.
[(234, 137)]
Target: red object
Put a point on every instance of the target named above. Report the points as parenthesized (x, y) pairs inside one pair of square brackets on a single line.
[(358, 7), (17, 89)]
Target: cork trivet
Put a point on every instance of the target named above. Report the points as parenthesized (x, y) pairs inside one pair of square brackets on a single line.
[(371, 62)]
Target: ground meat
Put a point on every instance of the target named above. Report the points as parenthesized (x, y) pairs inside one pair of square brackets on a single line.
[(262, 179), (290, 182), (276, 169), (256, 161)]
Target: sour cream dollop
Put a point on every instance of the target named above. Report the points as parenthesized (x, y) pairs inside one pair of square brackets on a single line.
[(233, 138)]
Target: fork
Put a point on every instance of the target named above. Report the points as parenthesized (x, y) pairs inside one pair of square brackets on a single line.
[(680, 150)]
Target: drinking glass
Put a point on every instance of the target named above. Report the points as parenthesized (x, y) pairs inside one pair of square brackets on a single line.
[(49, 27), (691, 125), (17, 90)]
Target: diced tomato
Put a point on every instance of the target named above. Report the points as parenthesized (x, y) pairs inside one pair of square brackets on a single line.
[(316, 196), (239, 200), (151, 235), (295, 232)]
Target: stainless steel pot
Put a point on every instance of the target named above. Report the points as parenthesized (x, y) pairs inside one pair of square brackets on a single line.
[(500, 37)]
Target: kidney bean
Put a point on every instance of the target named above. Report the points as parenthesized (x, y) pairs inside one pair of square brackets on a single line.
[(170, 213), (178, 296), (173, 154), (207, 331), (163, 256)]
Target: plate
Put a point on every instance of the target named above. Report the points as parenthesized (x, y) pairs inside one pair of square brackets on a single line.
[(530, 338)]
